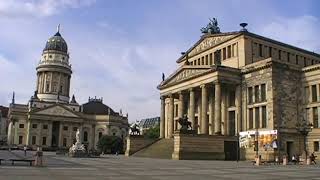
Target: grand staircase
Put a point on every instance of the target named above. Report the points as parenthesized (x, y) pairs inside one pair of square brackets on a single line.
[(161, 149)]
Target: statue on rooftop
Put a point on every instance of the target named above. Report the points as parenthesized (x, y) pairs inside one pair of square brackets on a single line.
[(211, 28)]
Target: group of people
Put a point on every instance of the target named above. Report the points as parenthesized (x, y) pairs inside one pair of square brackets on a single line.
[(295, 158)]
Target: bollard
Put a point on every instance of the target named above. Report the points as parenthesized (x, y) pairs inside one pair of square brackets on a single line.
[(258, 160), (308, 161), (285, 160)]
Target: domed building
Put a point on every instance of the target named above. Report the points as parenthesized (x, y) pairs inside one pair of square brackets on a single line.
[(51, 119)]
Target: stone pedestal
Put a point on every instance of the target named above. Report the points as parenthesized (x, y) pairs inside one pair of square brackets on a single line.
[(77, 150), (258, 161)]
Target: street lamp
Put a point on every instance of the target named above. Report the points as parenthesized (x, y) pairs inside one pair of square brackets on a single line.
[(304, 128)]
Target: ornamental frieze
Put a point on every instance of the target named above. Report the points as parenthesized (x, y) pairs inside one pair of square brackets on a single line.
[(56, 111), (185, 74)]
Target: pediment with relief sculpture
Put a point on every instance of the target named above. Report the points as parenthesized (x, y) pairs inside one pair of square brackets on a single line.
[(209, 42), (56, 111), (183, 74)]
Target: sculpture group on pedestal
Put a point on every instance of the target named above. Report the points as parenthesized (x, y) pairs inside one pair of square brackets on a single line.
[(77, 149)]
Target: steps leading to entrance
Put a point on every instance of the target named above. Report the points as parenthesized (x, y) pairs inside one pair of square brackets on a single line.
[(161, 149)]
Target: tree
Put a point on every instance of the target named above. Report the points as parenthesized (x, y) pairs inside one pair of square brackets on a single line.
[(153, 132), (110, 144)]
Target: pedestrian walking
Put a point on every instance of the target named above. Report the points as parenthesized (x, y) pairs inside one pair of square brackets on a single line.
[(25, 150), (313, 158)]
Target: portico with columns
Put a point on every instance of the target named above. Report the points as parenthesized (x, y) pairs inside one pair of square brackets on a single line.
[(211, 101)]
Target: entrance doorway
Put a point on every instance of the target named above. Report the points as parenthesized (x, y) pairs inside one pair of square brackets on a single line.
[(55, 134), (289, 149)]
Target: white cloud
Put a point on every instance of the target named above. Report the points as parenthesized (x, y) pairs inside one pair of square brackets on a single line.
[(38, 8), (299, 31)]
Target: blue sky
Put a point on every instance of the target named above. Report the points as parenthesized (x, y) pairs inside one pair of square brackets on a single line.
[(119, 49)]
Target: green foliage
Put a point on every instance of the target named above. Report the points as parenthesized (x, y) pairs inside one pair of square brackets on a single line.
[(153, 133), (110, 144)]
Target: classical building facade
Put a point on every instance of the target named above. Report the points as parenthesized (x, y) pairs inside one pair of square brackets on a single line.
[(3, 123), (233, 82), (51, 118)]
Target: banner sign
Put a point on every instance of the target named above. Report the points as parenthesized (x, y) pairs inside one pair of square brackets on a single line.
[(267, 139)]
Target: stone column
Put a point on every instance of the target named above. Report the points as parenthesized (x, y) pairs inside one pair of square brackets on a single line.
[(217, 109), (224, 117), (191, 110), (204, 129), (28, 133), (60, 135), (171, 117), (10, 133), (180, 106), (211, 114), (93, 137), (238, 117), (16, 138), (162, 117), (180, 109)]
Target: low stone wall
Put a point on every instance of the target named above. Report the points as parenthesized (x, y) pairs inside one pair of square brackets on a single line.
[(136, 143), (201, 147)]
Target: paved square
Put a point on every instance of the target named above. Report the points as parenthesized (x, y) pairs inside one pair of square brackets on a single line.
[(120, 167)]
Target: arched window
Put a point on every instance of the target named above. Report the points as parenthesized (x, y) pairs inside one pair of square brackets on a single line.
[(85, 136), (100, 135)]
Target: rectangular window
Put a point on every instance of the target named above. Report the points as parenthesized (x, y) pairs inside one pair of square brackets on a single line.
[(250, 95), (312, 62), (202, 60), (47, 87), (314, 93), (257, 117), (210, 58), (260, 50), (224, 54), (199, 61), (232, 98), (307, 94), (20, 139), (264, 116), (270, 51), (315, 117), (207, 61), (64, 142), (45, 126), (304, 62), (234, 50), (21, 125), (256, 94), (263, 92), (279, 54), (191, 63), (75, 128), (229, 51), (34, 138), (251, 118), (316, 146), (44, 141), (288, 57), (34, 126), (176, 110), (65, 128), (297, 59)]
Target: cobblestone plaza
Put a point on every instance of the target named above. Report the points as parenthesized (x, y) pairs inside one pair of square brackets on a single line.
[(120, 167)]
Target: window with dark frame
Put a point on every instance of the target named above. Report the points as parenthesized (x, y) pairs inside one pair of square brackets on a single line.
[(264, 116), (251, 118), (256, 94), (45, 126), (224, 54), (44, 141), (314, 93), (263, 92), (316, 146), (260, 50), (257, 117), (250, 95), (229, 52), (21, 125), (65, 128), (34, 126), (315, 117), (34, 138)]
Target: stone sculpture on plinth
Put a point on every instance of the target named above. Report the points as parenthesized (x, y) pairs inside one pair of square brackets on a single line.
[(186, 127), (77, 149)]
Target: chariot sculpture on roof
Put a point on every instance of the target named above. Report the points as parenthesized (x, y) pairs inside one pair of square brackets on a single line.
[(211, 28)]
